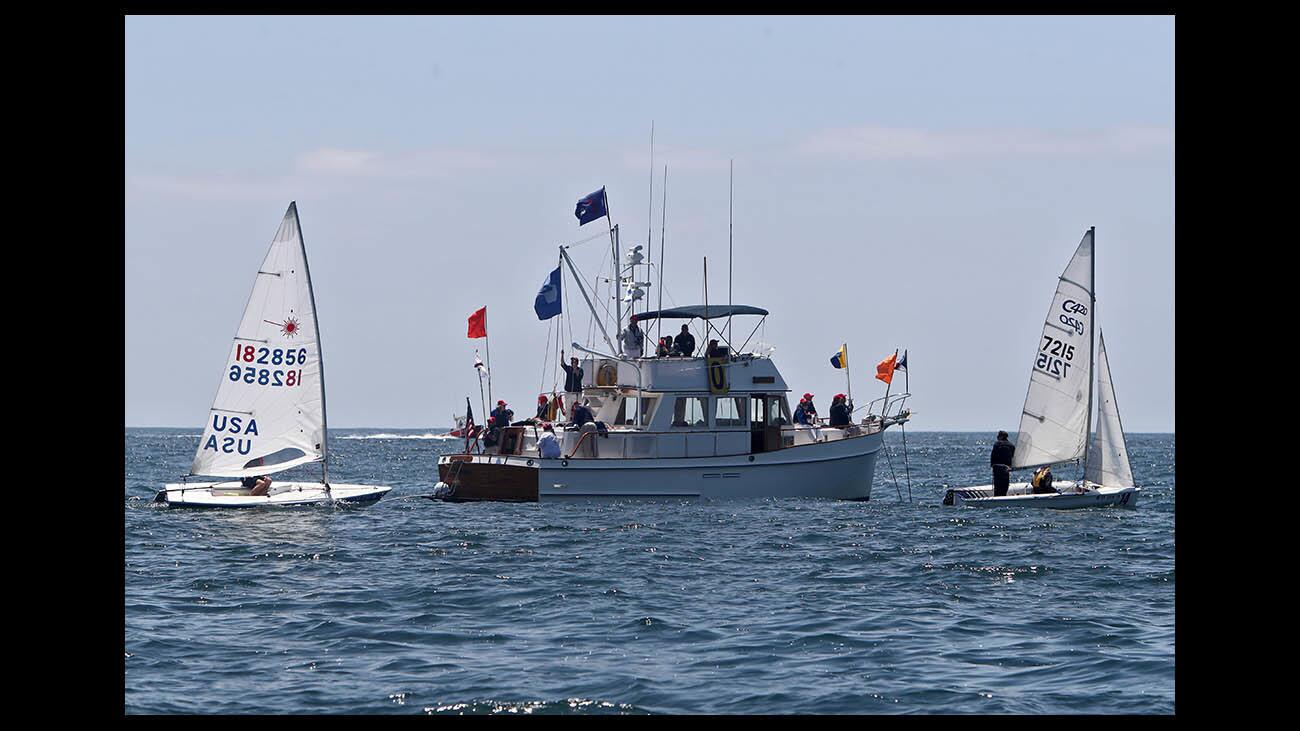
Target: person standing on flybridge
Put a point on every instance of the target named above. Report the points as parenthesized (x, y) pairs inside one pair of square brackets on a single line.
[(632, 340), (1000, 460), (685, 343)]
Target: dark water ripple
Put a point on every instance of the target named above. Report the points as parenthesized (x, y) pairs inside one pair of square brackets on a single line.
[(626, 607)]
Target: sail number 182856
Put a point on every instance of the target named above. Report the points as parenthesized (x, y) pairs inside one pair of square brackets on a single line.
[(268, 356), (1054, 357)]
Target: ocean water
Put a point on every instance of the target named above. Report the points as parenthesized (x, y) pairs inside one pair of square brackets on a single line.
[(625, 607)]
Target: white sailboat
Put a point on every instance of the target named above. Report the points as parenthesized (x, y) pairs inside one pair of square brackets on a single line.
[(269, 411), (1057, 416)]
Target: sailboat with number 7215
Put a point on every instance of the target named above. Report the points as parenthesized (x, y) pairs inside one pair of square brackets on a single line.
[(1055, 422), (269, 412)]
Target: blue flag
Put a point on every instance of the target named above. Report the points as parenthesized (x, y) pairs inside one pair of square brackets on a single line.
[(591, 207), (547, 304)]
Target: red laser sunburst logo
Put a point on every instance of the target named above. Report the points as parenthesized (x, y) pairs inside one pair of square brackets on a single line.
[(288, 328)]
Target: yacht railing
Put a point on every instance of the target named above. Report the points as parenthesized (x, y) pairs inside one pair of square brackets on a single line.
[(893, 401)]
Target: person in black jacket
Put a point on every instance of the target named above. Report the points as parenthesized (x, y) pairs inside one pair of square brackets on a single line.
[(840, 411), (1000, 460), (572, 384), (582, 414), (684, 344)]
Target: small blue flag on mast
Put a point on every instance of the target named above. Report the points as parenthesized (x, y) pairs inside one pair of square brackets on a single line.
[(592, 207)]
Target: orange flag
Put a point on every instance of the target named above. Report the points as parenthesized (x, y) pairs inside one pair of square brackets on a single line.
[(478, 323), (885, 368)]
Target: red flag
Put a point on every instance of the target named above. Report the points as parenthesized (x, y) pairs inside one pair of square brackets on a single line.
[(478, 323), (885, 368)]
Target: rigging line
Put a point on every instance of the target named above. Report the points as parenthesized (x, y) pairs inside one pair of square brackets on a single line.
[(591, 319), (546, 355), (885, 448), (593, 237)]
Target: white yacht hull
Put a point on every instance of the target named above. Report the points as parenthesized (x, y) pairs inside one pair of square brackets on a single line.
[(284, 494), (840, 469), (1070, 496)]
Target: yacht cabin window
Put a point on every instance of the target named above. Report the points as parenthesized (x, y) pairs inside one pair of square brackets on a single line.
[(730, 411), (771, 410), (627, 410), (691, 412)]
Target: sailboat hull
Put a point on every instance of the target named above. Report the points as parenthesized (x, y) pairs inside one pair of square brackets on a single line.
[(286, 494), (1020, 494)]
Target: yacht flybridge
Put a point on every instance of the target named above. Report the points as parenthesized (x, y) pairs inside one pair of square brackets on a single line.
[(710, 421)]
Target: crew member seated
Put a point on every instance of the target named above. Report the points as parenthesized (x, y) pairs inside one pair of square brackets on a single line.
[(492, 435), (1042, 481), (684, 343), (258, 485), (665, 347), (716, 351), (582, 414)]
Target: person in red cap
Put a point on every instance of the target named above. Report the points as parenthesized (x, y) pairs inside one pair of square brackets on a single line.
[(492, 435), (502, 414), (840, 415), (809, 409), (543, 408)]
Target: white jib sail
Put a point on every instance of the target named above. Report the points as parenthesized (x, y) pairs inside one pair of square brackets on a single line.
[(269, 413), (1108, 464), (1054, 420)]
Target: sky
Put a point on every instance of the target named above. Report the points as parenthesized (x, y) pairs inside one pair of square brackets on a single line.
[(900, 182)]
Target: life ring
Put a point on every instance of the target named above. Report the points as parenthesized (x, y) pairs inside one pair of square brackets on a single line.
[(607, 373)]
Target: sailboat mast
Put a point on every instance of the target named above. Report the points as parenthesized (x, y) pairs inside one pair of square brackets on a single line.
[(663, 225), (320, 355), (731, 197), (1092, 336)]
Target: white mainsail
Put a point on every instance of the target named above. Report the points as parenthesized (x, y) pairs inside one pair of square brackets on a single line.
[(269, 412), (1108, 464), (1054, 421)]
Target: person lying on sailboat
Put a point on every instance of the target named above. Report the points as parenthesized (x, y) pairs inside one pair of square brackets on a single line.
[(632, 340), (258, 485), (684, 344), (840, 411), (1000, 461), (548, 446)]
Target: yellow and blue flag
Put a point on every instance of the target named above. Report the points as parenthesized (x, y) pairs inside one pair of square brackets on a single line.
[(841, 359)]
